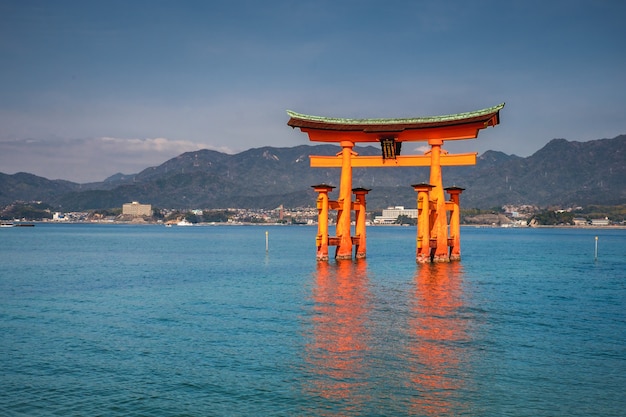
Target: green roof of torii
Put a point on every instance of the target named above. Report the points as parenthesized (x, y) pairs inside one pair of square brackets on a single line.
[(320, 122)]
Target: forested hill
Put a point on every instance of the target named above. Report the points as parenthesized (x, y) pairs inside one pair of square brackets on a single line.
[(562, 173)]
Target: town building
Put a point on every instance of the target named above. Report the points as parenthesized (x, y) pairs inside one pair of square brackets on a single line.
[(580, 221), (600, 222), (137, 210), (59, 217)]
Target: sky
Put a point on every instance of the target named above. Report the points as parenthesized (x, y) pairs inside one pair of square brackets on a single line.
[(92, 88)]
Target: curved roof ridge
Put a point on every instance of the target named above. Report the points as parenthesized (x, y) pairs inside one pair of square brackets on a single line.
[(405, 120)]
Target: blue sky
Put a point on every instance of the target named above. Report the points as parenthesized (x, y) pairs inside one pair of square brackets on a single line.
[(92, 88)]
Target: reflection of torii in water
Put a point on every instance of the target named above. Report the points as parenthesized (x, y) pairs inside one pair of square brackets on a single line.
[(352, 336), (434, 242), (340, 337), (439, 350)]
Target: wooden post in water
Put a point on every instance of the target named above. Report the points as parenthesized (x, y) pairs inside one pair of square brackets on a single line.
[(422, 254), (439, 220), (360, 228), (344, 248), (321, 240), (454, 238)]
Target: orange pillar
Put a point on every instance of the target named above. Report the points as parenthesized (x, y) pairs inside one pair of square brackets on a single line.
[(455, 223), (360, 232), (344, 248), (439, 223), (321, 239), (422, 254)]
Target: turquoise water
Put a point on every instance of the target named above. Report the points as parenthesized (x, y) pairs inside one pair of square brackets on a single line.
[(119, 320)]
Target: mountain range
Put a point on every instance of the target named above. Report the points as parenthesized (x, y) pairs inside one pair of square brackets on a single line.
[(563, 173)]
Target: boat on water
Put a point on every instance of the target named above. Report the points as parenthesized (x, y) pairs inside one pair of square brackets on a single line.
[(4, 224), (184, 222)]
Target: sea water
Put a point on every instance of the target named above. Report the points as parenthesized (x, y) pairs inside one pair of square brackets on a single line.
[(144, 320)]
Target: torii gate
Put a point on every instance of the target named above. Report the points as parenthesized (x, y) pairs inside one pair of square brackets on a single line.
[(435, 243)]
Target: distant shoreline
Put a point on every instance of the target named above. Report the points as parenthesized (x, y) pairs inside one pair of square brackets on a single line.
[(479, 226), (546, 226)]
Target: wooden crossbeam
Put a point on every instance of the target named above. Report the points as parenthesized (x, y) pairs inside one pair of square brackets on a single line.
[(400, 161)]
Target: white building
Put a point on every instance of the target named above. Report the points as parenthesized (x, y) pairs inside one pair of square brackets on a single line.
[(137, 210), (391, 214)]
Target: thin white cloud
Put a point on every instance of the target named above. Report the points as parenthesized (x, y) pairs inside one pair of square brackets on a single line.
[(89, 160), (160, 145)]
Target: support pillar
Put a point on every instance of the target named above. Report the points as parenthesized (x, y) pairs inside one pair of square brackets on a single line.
[(321, 240), (360, 232), (344, 248), (439, 222), (455, 223), (422, 254)]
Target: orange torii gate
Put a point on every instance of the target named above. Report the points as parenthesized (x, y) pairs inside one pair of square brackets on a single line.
[(435, 243)]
